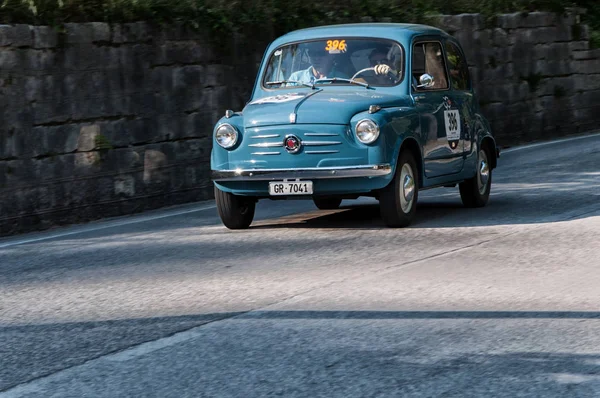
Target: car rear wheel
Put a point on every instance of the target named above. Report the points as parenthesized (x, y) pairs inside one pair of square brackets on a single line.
[(327, 203), (475, 192), (236, 212), (398, 201)]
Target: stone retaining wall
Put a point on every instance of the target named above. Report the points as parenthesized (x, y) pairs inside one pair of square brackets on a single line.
[(535, 73), (107, 120)]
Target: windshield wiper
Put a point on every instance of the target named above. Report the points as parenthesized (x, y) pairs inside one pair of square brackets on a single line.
[(341, 79), (292, 81)]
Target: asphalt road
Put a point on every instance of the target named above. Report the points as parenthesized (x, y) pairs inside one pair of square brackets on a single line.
[(501, 301)]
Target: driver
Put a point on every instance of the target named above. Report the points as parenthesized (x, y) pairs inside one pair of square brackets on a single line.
[(381, 66), (322, 66)]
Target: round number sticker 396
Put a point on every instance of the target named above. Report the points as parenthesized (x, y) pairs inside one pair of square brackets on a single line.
[(452, 123)]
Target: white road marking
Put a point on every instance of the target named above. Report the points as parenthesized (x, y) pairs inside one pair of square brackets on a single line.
[(509, 150), (106, 225)]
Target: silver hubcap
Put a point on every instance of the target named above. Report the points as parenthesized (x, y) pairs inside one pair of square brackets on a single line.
[(407, 193), (483, 171)]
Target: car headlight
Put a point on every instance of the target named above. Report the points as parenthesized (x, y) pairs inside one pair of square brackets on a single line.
[(226, 135), (367, 131)]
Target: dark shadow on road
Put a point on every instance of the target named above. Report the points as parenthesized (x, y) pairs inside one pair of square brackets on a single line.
[(28, 352)]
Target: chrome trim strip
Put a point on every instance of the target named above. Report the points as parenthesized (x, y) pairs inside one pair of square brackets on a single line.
[(321, 134), (267, 145), (320, 152), (266, 153), (320, 143), (265, 136), (377, 170)]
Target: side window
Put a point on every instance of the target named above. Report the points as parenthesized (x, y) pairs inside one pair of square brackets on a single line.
[(428, 58), (457, 66)]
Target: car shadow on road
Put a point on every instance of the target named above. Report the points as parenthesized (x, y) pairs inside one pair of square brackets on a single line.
[(534, 208)]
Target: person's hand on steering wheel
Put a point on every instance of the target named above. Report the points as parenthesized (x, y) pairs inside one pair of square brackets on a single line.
[(383, 69)]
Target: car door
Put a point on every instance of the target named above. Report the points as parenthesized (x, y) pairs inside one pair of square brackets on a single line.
[(439, 116), (461, 93)]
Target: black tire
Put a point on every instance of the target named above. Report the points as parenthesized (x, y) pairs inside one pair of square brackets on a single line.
[(474, 192), (327, 203), (395, 211), (236, 212)]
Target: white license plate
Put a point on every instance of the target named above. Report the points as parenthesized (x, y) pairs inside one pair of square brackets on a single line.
[(290, 188)]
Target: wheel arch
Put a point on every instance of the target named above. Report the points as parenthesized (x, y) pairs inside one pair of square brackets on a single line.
[(410, 144), (489, 145), (486, 140)]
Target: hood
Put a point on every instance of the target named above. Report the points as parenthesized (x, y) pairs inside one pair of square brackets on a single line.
[(322, 106)]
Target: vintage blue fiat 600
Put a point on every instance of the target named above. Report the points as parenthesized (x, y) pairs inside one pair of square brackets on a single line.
[(338, 112)]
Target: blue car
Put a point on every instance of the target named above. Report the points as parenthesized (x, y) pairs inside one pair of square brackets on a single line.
[(338, 112)]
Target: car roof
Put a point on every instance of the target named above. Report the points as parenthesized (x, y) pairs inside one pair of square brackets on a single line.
[(398, 31)]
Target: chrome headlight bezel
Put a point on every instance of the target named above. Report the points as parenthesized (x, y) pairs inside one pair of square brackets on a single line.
[(226, 136), (367, 131)]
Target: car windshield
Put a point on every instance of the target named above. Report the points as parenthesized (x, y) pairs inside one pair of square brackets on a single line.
[(370, 62)]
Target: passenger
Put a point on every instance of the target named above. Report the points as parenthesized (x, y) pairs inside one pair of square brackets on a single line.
[(322, 66)]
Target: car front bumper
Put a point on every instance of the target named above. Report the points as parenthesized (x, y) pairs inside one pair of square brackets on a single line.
[(313, 173)]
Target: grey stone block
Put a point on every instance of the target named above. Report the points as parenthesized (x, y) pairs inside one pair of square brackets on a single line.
[(51, 112), (450, 23), (162, 79), (590, 98), (508, 21), (586, 82), (7, 35), (198, 124), (193, 76), (100, 32), (535, 19), (88, 134), (588, 66), (144, 104), (467, 22), (557, 86), (38, 60), (44, 37), (553, 68), (523, 61), (9, 60), (136, 32), (22, 36), (124, 186), (187, 53), (558, 52), (117, 133), (589, 54), (55, 140), (564, 33), (84, 57), (579, 45), (499, 37), (168, 127), (78, 33), (155, 171)]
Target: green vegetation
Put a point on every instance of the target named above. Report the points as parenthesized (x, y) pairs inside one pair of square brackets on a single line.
[(595, 39), (279, 16), (102, 143)]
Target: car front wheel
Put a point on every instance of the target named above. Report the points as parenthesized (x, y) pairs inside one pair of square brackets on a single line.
[(475, 192), (236, 212), (398, 201)]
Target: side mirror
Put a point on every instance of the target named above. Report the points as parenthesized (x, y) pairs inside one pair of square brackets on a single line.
[(426, 81)]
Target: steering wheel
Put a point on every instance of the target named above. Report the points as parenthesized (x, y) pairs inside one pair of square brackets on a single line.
[(362, 71), (390, 74)]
